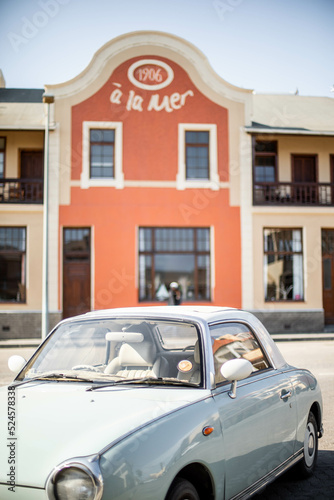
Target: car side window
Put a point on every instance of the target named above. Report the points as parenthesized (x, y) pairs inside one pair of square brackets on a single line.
[(235, 340)]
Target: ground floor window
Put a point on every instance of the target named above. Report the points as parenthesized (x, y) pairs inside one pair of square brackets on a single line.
[(12, 264), (283, 264), (169, 255)]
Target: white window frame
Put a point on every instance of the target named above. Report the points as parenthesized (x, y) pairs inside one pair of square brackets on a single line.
[(118, 180), (181, 181)]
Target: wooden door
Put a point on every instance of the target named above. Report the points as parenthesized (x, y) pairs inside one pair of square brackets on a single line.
[(304, 172), (76, 271), (32, 174), (328, 274)]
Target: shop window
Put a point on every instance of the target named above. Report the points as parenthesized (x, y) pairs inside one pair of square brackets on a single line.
[(102, 155), (283, 265), (2, 156), (197, 151), (174, 254), (12, 264)]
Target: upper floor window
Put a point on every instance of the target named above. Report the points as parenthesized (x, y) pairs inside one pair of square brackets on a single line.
[(2, 156), (102, 161), (283, 264), (198, 158), (197, 154), (12, 264), (265, 161), (102, 144)]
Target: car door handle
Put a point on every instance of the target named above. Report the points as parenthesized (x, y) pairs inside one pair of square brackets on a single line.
[(286, 395)]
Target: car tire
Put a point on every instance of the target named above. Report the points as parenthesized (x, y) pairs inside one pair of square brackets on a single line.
[(182, 489), (310, 452)]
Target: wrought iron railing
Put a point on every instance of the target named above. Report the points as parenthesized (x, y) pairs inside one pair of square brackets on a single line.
[(288, 193), (21, 190)]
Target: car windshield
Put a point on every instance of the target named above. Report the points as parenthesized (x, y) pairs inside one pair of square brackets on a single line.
[(119, 350)]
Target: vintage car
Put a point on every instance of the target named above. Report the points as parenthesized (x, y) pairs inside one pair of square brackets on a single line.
[(162, 402)]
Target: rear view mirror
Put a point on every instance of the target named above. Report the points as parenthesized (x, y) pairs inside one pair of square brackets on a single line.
[(16, 363), (234, 370), (130, 337)]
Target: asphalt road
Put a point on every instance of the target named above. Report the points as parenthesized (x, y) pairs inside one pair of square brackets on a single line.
[(318, 357)]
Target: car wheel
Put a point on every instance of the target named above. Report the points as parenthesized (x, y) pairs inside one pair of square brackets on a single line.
[(310, 452), (182, 489)]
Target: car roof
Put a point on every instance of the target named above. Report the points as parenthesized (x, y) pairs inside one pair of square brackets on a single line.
[(206, 313)]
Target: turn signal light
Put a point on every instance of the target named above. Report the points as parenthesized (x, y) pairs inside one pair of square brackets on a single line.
[(207, 431)]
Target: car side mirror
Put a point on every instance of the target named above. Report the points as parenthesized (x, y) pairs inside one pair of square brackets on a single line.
[(234, 370), (16, 363)]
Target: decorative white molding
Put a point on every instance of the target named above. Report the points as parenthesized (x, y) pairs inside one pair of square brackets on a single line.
[(181, 181), (118, 180)]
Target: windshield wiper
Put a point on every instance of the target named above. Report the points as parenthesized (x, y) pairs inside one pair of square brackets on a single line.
[(145, 380), (53, 376)]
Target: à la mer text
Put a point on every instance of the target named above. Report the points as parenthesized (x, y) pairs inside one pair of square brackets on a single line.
[(156, 102)]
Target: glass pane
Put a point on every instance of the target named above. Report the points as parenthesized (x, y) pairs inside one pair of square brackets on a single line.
[(266, 146), (203, 239), (203, 270), (197, 162), (96, 135), (12, 282), (235, 340), (264, 174), (283, 277), (2, 142), (145, 277), (13, 238), (327, 267), (195, 137), (175, 267), (174, 239), (2, 161), (108, 135), (76, 240)]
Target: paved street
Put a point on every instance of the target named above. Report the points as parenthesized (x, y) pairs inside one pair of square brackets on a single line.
[(317, 356)]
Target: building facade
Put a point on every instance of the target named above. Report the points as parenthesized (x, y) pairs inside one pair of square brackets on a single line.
[(160, 171)]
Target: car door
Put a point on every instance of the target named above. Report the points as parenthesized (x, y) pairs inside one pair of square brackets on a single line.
[(259, 425)]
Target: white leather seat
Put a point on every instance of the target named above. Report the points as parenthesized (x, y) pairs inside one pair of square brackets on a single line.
[(137, 360)]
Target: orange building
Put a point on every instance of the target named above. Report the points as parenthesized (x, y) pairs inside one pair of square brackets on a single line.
[(145, 191)]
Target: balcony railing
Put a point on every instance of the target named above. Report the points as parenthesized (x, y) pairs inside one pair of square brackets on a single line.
[(288, 193), (21, 190)]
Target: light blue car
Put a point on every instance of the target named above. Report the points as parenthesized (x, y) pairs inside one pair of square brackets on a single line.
[(151, 403)]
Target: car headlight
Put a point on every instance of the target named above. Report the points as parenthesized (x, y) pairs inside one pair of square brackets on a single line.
[(75, 481)]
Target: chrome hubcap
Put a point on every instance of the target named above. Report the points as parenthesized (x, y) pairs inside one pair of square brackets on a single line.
[(309, 444)]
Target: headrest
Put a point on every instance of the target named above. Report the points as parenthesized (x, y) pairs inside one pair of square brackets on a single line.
[(142, 354)]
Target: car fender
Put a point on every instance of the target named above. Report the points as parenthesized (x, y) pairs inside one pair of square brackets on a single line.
[(144, 464)]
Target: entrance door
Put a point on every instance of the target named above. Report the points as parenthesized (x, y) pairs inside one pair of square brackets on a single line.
[(32, 173), (328, 274), (76, 271), (304, 172)]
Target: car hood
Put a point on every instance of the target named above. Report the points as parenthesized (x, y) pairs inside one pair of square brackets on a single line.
[(58, 421)]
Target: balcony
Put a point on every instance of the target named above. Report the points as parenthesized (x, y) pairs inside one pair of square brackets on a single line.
[(21, 191), (294, 194)]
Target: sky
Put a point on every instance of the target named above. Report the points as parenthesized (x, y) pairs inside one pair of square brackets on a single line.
[(270, 46)]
